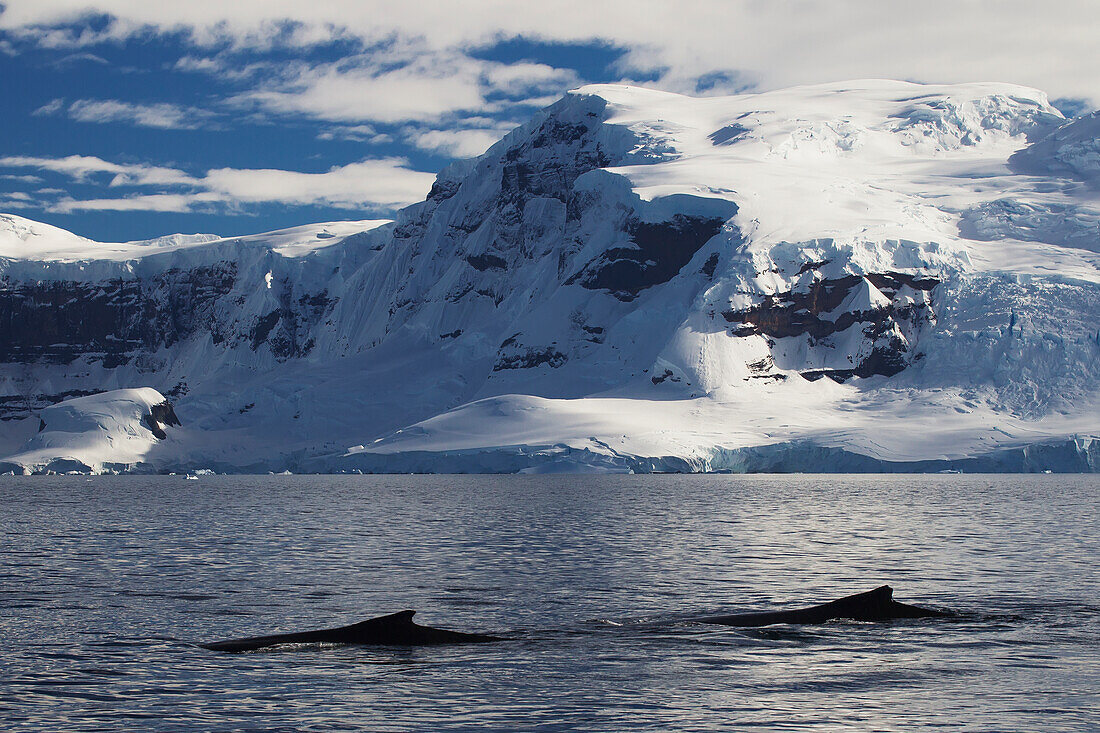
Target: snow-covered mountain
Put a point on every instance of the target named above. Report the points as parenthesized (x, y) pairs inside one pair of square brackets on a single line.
[(108, 431), (872, 275)]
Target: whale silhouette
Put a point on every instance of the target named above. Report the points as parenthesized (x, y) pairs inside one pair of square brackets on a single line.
[(872, 605), (396, 629)]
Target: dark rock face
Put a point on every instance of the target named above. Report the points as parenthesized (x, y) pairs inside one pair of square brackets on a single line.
[(165, 414), (666, 375), (710, 265), (487, 262), (159, 416), (529, 358), (729, 134), (551, 160), (443, 189), (263, 327), (593, 334), (659, 252), (885, 361), (794, 314), (286, 330), (545, 166), (538, 170), (58, 322), (126, 321)]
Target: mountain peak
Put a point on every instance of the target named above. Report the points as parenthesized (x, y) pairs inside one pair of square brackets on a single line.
[(632, 278)]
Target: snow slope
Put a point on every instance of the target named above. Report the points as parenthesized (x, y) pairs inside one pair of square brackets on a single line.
[(871, 275), (109, 431), (23, 239)]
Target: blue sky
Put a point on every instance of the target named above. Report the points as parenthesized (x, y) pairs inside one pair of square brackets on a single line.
[(128, 108), (124, 121)]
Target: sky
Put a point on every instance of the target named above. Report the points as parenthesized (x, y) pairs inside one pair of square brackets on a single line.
[(131, 119)]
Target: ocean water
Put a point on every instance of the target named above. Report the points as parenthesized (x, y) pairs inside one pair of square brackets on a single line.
[(107, 583)]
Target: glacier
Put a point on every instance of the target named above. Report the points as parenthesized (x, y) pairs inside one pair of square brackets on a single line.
[(862, 276)]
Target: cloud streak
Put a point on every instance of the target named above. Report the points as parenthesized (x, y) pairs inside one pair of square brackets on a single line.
[(380, 183), (161, 115), (83, 167), (401, 83), (376, 184)]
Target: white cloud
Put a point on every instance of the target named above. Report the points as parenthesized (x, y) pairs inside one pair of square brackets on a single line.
[(1049, 45), (383, 183), (524, 78), (398, 82), (82, 167), (21, 178), (460, 143), (227, 66), (159, 115), (50, 108), (200, 64), (358, 133), (16, 200), (425, 88), (173, 202), (75, 59)]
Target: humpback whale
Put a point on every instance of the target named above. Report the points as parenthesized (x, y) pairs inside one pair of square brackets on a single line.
[(396, 629), (872, 605)]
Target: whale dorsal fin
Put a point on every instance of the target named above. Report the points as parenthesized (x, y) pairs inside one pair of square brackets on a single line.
[(881, 596), (884, 592), (405, 616), (401, 617)]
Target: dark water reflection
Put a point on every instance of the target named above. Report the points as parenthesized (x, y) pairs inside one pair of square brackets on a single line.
[(104, 583)]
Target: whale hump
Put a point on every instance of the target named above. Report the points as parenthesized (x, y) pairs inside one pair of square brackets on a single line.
[(401, 617), (395, 629), (883, 595), (872, 605)]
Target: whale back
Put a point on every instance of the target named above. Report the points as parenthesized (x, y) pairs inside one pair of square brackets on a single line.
[(395, 629), (399, 620), (398, 629), (872, 605)]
